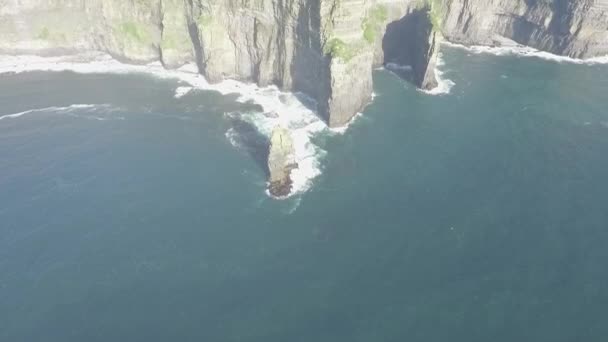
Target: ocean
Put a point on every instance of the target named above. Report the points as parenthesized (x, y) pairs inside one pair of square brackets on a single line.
[(133, 207)]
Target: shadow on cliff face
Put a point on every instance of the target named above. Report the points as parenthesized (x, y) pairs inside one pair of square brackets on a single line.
[(252, 141), (401, 44), (310, 72), (554, 37)]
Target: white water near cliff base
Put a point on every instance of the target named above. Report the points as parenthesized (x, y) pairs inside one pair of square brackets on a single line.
[(279, 108), (92, 112), (444, 85), (526, 51)]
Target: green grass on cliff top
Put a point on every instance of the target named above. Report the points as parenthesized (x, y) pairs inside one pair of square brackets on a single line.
[(436, 11), (337, 48), (371, 24), (134, 31)]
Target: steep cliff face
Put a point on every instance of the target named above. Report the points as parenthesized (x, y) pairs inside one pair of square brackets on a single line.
[(129, 30), (324, 48), (44, 26), (176, 46), (349, 57), (578, 28)]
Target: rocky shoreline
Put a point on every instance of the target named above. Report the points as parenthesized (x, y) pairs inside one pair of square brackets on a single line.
[(325, 49)]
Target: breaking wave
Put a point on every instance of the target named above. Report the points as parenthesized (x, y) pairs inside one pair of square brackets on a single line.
[(444, 85), (301, 121), (93, 112), (181, 91), (526, 51)]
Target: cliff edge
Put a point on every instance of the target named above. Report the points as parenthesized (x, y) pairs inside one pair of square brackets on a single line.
[(326, 49)]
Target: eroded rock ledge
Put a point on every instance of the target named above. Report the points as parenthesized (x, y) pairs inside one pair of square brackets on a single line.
[(324, 48)]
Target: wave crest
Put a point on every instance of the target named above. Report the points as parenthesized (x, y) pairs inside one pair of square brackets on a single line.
[(526, 51), (67, 110)]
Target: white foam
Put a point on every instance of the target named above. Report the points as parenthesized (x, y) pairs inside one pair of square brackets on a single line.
[(444, 85), (526, 51), (291, 113), (342, 129), (53, 109), (302, 123), (295, 204), (395, 66), (232, 136), (181, 91)]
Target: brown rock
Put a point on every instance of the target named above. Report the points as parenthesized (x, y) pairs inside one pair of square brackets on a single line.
[(280, 162)]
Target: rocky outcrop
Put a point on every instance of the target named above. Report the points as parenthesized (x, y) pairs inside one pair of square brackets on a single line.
[(324, 48), (424, 69), (280, 162), (427, 39)]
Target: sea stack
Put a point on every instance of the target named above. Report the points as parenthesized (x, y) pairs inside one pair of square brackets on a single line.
[(427, 41), (414, 40), (281, 161)]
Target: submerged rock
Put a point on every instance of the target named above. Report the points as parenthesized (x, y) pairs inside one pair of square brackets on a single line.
[(280, 162)]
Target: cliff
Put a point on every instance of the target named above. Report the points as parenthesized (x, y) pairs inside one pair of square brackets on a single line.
[(324, 48), (414, 40), (576, 28)]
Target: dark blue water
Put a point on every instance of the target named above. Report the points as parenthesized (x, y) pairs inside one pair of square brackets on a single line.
[(475, 216)]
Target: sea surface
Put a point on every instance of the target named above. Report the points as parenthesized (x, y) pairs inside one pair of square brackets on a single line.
[(133, 208)]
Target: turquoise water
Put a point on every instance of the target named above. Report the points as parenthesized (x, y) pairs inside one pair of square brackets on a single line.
[(480, 215)]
